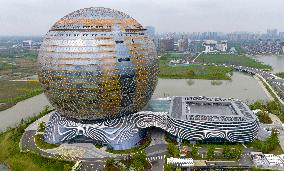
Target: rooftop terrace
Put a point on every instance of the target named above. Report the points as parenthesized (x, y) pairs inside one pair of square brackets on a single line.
[(209, 109)]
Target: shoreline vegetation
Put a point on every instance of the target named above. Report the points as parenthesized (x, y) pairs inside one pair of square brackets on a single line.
[(191, 71), (280, 74), (11, 156), (230, 59), (12, 92)]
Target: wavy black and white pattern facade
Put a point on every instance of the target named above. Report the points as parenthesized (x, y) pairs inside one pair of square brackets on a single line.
[(125, 132)]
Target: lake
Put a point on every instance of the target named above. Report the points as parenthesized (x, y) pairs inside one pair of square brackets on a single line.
[(242, 86)]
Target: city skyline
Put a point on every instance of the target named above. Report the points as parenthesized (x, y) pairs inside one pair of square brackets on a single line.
[(34, 17)]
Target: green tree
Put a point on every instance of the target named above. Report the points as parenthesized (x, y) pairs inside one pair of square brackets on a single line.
[(268, 145), (137, 165), (173, 150), (110, 162), (138, 161), (67, 167), (226, 152), (257, 105), (238, 152), (41, 126), (194, 151), (272, 106), (190, 72), (210, 153), (168, 167), (264, 117)]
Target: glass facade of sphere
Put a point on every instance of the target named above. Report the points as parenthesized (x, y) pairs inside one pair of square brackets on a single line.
[(97, 63)]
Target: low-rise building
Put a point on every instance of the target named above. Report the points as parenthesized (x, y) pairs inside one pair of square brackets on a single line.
[(180, 162), (30, 44), (267, 160), (274, 160), (212, 46)]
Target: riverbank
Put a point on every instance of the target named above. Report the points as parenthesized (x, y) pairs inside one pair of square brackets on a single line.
[(22, 110), (230, 59), (263, 87), (12, 92), (11, 155), (276, 61)]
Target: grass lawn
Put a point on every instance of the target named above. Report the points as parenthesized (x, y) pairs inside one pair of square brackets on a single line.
[(12, 92), (232, 59), (42, 144), (277, 150), (191, 71), (26, 161), (280, 74)]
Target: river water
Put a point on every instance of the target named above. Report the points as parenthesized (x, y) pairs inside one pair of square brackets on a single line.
[(277, 62), (22, 110), (242, 86)]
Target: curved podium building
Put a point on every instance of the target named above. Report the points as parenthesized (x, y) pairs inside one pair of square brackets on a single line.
[(188, 118), (99, 68)]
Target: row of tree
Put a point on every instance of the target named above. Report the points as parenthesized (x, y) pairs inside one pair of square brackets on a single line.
[(273, 107), (268, 145)]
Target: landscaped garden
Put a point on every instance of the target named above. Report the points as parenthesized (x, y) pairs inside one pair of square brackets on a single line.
[(26, 161)]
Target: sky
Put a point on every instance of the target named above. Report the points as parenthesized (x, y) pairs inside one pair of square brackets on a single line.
[(35, 17)]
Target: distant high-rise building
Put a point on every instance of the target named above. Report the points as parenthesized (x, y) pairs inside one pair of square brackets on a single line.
[(157, 42), (281, 35), (272, 33), (183, 44), (282, 46), (167, 44)]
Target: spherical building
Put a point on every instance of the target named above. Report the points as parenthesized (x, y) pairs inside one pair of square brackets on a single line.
[(97, 63)]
